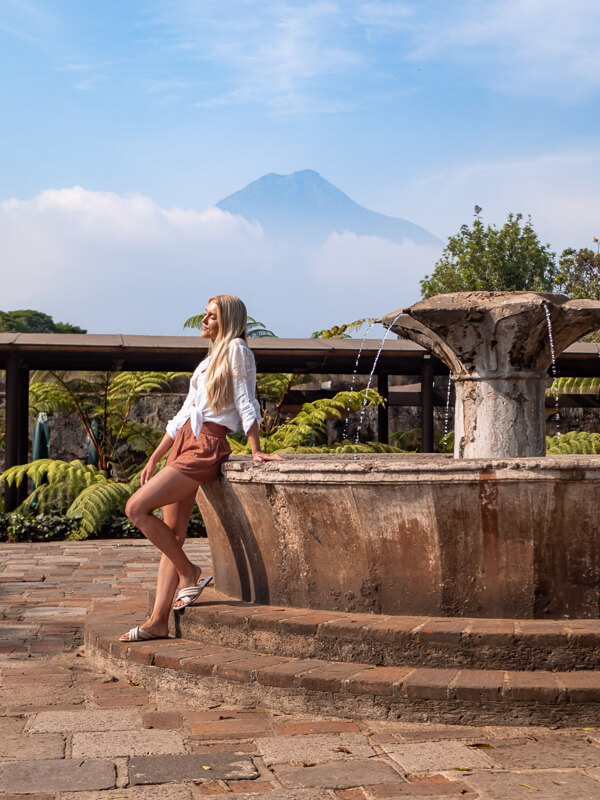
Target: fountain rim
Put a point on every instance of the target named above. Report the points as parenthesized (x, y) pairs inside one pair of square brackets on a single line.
[(371, 468)]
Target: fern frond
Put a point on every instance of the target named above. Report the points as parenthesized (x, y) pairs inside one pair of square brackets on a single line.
[(571, 385), (574, 443), (96, 504)]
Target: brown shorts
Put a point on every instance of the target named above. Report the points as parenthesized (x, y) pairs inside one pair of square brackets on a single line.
[(201, 458)]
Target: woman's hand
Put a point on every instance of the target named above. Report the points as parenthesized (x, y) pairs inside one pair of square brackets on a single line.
[(257, 454), (148, 471), (259, 457)]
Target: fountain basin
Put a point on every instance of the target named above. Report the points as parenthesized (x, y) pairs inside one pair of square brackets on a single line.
[(410, 534)]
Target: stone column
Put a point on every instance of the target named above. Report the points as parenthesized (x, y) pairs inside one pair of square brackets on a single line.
[(497, 346)]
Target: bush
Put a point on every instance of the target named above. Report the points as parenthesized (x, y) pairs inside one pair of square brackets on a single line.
[(15, 527)]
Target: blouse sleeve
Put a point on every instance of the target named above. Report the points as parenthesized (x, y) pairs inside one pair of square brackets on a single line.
[(243, 371), (182, 416)]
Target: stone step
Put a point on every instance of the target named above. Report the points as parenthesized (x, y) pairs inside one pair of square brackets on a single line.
[(392, 640), (213, 673)]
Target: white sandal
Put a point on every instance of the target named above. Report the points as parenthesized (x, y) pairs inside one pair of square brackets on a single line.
[(190, 594), (139, 635)]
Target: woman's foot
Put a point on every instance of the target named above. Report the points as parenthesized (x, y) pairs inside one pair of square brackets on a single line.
[(188, 581), (147, 631)]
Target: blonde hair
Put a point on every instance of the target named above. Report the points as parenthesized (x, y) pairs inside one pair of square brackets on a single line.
[(232, 319)]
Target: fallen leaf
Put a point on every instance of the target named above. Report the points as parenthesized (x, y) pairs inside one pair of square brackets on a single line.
[(204, 767), (224, 786), (341, 750), (481, 746), (527, 786)]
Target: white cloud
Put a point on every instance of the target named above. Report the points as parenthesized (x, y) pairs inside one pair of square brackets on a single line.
[(273, 53), (116, 264), (557, 189), (518, 45)]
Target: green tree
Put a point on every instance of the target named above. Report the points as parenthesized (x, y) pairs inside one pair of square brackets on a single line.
[(30, 321), (579, 273), (481, 258)]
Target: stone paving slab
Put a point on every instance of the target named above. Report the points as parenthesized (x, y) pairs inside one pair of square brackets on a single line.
[(282, 794), (134, 743), (204, 767), (167, 791), (438, 756), (337, 775), (556, 754), (57, 775), (314, 749), (542, 785), (92, 720), (22, 747)]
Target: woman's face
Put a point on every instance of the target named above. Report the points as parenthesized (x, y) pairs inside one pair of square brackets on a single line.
[(210, 326)]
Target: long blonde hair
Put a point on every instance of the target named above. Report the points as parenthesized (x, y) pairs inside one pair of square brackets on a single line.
[(232, 319)]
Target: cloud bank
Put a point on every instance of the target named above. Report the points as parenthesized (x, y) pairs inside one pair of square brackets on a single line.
[(115, 264)]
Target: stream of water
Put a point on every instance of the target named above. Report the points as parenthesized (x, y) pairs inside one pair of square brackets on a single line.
[(553, 355), (360, 349), (366, 400)]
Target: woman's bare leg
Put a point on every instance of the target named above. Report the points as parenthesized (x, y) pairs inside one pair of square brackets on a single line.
[(167, 488), (176, 516)]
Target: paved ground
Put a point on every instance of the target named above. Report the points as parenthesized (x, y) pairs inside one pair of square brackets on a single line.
[(68, 731)]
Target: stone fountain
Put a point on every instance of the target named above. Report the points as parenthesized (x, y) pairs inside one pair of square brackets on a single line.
[(500, 530)]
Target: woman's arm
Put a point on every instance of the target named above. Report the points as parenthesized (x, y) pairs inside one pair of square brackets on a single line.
[(257, 454), (163, 447)]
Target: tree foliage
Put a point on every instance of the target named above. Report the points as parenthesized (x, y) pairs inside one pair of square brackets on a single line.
[(481, 258), (579, 273), (30, 321), (341, 331)]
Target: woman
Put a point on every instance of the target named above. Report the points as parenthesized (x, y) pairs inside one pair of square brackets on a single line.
[(221, 394)]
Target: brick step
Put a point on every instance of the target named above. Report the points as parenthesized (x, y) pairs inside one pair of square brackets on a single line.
[(392, 640), (224, 674)]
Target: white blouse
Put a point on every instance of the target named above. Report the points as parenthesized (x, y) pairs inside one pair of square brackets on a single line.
[(245, 407)]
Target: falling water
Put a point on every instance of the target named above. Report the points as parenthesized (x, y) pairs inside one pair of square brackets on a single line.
[(447, 414), (366, 400), (360, 349), (552, 353)]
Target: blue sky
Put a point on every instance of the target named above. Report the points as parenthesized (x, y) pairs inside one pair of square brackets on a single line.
[(156, 110)]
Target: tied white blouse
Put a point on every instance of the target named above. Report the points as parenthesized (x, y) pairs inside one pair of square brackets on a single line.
[(245, 407)]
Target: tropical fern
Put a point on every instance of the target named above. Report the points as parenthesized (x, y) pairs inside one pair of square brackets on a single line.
[(103, 402), (572, 385), (96, 504), (78, 490), (254, 328), (574, 443), (310, 423)]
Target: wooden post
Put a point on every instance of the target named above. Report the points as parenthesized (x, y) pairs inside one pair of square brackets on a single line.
[(17, 425), (383, 411), (427, 404)]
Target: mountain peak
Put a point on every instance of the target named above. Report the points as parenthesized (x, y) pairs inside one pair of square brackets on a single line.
[(304, 204)]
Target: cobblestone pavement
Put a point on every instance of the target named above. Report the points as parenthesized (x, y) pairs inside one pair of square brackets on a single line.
[(68, 731)]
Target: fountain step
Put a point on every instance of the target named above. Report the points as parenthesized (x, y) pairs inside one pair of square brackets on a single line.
[(216, 674), (392, 640)]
